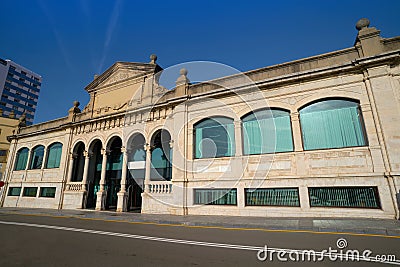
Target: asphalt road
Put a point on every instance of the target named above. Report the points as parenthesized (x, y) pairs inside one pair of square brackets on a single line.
[(59, 241)]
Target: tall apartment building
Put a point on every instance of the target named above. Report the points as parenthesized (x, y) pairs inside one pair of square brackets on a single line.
[(19, 89)]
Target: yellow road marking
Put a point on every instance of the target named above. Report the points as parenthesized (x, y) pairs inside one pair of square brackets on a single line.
[(200, 226)]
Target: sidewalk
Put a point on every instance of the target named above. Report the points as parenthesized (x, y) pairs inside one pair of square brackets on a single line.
[(351, 225)]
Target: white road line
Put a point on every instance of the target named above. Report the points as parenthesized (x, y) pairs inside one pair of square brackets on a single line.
[(186, 242)]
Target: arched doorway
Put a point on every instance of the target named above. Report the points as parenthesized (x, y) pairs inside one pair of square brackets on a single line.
[(161, 156), (136, 174), (113, 172), (94, 173), (79, 162)]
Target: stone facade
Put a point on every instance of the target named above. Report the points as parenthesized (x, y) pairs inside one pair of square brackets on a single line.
[(130, 112)]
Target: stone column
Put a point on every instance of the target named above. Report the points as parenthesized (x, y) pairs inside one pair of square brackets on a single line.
[(296, 131), (122, 204), (44, 158), (148, 168), (238, 138), (71, 166), (85, 170), (103, 169), (102, 194)]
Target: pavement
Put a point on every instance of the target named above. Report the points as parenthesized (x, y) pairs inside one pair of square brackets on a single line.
[(387, 227)]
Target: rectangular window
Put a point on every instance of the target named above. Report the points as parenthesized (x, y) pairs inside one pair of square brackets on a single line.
[(14, 191), (30, 191), (47, 192), (23, 72), (344, 197), (215, 196), (272, 197)]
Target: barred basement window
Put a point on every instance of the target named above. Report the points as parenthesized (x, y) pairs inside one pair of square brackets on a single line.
[(30, 192), (215, 196), (47, 192), (344, 197), (14, 191), (272, 197)]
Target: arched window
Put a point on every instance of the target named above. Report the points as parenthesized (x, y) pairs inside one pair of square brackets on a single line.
[(54, 155), (22, 159), (267, 131), (214, 137), (79, 161), (332, 123), (161, 156), (37, 158)]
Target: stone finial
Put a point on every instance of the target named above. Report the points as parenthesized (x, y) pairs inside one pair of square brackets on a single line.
[(22, 120), (182, 79), (74, 110), (153, 58), (362, 23), (12, 114), (95, 76)]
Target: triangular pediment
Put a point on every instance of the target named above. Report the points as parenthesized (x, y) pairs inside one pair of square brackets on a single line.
[(121, 71)]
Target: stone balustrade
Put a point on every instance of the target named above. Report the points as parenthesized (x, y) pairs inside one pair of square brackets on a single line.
[(160, 187), (74, 186)]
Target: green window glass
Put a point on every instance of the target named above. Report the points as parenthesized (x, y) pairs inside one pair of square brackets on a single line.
[(54, 155), (22, 159), (344, 197), (267, 131), (37, 157), (272, 197), (47, 192), (215, 196), (332, 124), (30, 191), (214, 137), (14, 191)]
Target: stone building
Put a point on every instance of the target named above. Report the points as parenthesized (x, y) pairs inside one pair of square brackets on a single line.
[(311, 137)]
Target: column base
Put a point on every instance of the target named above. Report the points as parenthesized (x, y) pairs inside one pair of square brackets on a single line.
[(101, 200), (122, 204)]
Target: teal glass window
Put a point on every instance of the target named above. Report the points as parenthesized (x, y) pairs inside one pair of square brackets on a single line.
[(215, 196), (332, 123), (30, 191), (37, 157), (47, 192), (214, 137), (22, 159), (267, 131), (14, 191), (54, 155), (272, 197), (344, 197)]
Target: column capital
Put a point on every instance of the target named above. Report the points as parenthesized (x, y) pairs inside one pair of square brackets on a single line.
[(87, 154), (105, 152), (148, 147), (294, 116), (171, 143)]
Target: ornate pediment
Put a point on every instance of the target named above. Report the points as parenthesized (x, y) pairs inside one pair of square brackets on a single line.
[(121, 71)]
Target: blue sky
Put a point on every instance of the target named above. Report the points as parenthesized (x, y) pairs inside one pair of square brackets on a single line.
[(67, 42)]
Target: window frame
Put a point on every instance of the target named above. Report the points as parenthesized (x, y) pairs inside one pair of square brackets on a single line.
[(271, 110), (46, 166), (31, 160), (272, 189), (361, 122), (45, 188), (232, 138), (26, 188), (212, 203), (17, 159), (10, 191)]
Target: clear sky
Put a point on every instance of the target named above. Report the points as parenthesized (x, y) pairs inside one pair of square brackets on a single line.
[(67, 42)]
